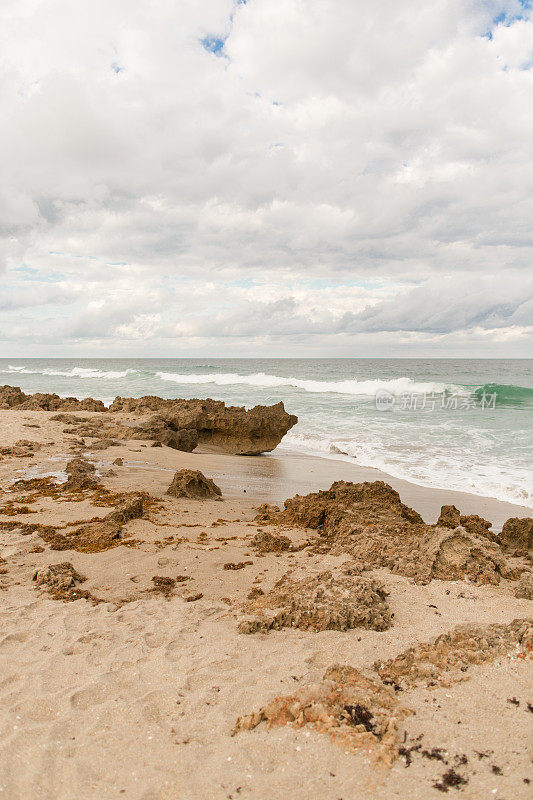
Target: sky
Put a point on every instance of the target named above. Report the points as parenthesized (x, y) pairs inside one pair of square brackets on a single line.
[(297, 178)]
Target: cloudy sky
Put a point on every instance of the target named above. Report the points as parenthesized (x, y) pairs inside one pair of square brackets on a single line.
[(270, 177)]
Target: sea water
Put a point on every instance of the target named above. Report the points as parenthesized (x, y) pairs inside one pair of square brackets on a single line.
[(447, 423)]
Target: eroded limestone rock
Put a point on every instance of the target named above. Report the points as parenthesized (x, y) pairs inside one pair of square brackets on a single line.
[(359, 714), (318, 603), (192, 483), (447, 657)]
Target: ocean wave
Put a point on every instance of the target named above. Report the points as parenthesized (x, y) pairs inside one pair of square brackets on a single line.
[(75, 372), (507, 484), (506, 394), (395, 386)]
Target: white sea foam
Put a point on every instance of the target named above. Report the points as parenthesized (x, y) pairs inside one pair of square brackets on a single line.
[(427, 469), (396, 386), (75, 372)]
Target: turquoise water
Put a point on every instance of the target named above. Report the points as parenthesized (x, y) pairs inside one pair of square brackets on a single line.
[(456, 424)]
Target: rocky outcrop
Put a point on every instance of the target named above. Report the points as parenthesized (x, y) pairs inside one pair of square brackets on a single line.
[(524, 590), (517, 536), (451, 517), (322, 602), (376, 503), (358, 714), (81, 475), (14, 397), (61, 581), (449, 656), (58, 577), (266, 542), (180, 424), (185, 424), (369, 522), (193, 484)]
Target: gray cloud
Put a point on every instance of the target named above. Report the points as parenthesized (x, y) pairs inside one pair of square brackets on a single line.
[(336, 142)]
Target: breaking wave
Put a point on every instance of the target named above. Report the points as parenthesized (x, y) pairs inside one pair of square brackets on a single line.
[(356, 388), (75, 372)]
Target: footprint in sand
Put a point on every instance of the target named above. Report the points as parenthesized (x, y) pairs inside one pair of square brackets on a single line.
[(91, 696), (39, 710), (14, 638), (154, 639)]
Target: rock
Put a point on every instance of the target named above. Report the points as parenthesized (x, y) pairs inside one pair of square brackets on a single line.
[(358, 714), (14, 397), (517, 536), (319, 603), (58, 577), (183, 439), (130, 508), (181, 424), (21, 449), (524, 590), (81, 475), (369, 522), (450, 517), (266, 542), (192, 483), (119, 462), (103, 444), (359, 502), (475, 524), (184, 424), (69, 419), (448, 656), (80, 466)]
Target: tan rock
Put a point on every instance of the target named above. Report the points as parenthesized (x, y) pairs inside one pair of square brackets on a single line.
[(319, 603), (192, 483), (447, 657), (517, 536), (357, 713)]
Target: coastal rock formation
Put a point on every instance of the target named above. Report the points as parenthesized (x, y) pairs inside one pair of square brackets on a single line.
[(265, 542), (192, 483), (322, 602), (517, 536), (357, 713), (369, 521), (183, 424), (366, 502), (180, 424), (524, 590), (448, 656), (14, 397), (81, 475), (58, 577), (451, 517)]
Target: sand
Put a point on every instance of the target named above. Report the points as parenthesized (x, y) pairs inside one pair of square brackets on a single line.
[(137, 695)]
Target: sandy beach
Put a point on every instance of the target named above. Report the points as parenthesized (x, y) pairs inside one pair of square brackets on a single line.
[(134, 690)]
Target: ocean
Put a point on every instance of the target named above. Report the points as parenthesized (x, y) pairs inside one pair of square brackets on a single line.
[(446, 423)]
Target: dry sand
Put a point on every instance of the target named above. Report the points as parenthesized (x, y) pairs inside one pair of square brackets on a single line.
[(137, 696)]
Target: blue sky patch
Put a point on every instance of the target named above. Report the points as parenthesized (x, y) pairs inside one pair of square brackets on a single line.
[(214, 44)]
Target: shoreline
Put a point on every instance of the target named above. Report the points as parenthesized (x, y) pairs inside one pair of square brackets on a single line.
[(267, 478), (275, 477)]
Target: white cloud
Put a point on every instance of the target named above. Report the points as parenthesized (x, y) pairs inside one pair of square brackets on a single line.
[(195, 195)]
